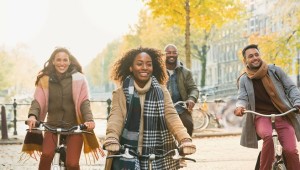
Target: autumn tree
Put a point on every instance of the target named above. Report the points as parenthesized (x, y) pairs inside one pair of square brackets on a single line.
[(148, 32), (280, 45), (6, 64), (18, 71), (98, 70), (199, 15)]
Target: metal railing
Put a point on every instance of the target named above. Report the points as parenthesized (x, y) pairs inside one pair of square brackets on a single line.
[(16, 108)]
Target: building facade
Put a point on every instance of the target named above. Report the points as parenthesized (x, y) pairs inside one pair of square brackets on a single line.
[(224, 60)]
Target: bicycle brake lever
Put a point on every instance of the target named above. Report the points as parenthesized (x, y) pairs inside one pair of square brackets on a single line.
[(78, 130), (176, 156), (127, 154)]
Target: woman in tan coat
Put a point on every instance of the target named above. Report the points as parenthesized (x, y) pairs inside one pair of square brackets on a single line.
[(142, 112)]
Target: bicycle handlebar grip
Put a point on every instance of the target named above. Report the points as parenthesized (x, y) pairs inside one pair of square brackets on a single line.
[(189, 159), (82, 127)]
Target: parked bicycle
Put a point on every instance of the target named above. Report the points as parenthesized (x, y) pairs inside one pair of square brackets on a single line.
[(279, 163), (129, 152), (201, 115), (59, 159)]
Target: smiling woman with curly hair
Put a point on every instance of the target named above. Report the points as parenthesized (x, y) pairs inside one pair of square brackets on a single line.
[(142, 113), (121, 68)]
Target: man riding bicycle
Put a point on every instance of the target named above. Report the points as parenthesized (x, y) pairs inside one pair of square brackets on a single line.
[(267, 89)]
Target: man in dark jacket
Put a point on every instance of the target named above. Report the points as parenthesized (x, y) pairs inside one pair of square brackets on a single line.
[(181, 86)]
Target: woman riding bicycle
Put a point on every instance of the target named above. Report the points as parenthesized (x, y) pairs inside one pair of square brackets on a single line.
[(267, 89), (61, 93), (142, 113)]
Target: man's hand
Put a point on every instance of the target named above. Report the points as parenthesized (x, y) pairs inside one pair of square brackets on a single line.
[(239, 111), (190, 105), (297, 107), (111, 144)]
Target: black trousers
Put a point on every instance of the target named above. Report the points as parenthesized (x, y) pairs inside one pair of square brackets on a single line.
[(187, 121)]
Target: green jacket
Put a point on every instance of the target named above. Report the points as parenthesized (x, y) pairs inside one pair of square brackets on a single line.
[(186, 84)]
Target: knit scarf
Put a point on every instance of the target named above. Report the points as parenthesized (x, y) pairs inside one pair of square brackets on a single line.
[(33, 142), (156, 137), (262, 73)]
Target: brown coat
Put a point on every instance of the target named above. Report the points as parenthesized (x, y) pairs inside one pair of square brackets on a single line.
[(115, 122), (61, 107)]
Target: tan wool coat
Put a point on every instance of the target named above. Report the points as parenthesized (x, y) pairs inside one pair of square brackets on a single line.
[(116, 118)]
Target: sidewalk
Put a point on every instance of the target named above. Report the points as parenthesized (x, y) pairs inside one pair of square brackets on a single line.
[(216, 132)]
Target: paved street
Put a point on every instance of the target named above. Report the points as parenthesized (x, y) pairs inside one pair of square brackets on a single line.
[(213, 153), (217, 149)]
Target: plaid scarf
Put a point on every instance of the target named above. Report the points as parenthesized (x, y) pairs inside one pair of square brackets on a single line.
[(156, 137)]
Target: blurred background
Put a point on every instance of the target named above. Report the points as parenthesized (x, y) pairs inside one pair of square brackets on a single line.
[(209, 36)]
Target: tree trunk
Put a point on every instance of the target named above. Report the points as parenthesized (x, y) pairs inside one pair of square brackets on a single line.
[(187, 35), (203, 64), (202, 53)]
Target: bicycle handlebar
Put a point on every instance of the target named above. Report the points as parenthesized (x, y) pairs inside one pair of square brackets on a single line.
[(181, 102), (272, 115), (42, 126), (130, 154)]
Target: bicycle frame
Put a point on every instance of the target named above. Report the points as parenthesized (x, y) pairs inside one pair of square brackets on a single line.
[(57, 163), (151, 157), (277, 146)]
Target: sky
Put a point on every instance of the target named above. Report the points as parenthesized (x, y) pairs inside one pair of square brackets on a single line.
[(85, 27)]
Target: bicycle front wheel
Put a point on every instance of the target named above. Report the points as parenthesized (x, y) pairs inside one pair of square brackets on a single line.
[(200, 119)]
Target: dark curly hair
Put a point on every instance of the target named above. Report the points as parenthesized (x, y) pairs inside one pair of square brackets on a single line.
[(248, 47), (120, 69), (49, 68)]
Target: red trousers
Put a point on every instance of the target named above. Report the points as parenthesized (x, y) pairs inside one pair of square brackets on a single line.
[(286, 136), (74, 146)]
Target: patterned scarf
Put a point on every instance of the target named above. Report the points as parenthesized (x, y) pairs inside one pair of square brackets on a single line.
[(262, 73), (33, 142), (156, 137)]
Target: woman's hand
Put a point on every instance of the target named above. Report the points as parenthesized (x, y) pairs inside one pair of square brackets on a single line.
[(111, 144), (187, 147), (31, 122), (89, 125)]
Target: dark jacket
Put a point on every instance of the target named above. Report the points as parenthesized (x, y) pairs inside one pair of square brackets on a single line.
[(186, 84)]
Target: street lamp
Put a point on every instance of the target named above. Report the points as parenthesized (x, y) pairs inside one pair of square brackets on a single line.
[(15, 117), (298, 65)]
